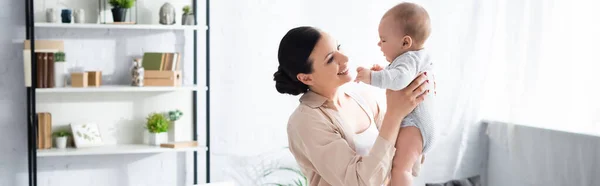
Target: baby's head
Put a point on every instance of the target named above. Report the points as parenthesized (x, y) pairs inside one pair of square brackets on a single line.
[(405, 27)]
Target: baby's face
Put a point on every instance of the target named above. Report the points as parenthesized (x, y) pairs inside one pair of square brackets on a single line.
[(390, 38)]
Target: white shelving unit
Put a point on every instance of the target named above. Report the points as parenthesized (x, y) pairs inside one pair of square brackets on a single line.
[(115, 88), (120, 111), (119, 26), (113, 149)]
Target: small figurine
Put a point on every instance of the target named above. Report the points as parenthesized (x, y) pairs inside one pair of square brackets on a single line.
[(167, 14), (137, 73)]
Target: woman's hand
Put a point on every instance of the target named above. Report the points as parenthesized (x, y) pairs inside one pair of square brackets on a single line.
[(400, 103)]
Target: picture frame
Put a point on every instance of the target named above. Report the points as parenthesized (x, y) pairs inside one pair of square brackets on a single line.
[(86, 135)]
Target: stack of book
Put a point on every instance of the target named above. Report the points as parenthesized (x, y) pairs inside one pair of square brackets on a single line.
[(45, 57), (45, 69), (162, 69)]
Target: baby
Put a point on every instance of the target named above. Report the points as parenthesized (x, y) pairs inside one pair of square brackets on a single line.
[(403, 31)]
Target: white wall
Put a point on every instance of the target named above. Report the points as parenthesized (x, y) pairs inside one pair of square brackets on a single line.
[(13, 128), (248, 116)]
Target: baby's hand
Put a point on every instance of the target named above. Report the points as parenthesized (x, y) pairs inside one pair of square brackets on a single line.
[(363, 75), (376, 67)]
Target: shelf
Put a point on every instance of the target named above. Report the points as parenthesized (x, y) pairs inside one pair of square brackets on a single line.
[(120, 26), (115, 88), (124, 104), (112, 149)]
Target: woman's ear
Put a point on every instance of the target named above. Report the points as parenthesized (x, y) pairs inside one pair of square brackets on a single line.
[(407, 42), (305, 78)]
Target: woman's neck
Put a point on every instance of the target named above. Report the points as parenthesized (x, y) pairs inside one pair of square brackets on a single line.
[(332, 95)]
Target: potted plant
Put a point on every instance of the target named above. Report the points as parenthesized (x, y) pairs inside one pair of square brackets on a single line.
[(188, 17), (157, 125), (61, 138), (173, 116), (119, 9), (60, 69)]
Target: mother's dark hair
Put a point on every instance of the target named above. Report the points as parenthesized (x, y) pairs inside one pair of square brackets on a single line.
[(294, 49)]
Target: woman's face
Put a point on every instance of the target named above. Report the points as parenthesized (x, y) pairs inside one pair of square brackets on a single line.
[(330, 66)]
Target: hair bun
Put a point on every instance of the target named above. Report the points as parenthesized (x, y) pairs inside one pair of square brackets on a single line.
[(286, 85)]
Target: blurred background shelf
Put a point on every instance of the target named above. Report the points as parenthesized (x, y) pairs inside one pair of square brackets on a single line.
[(121, 26), (118, 88), (113, 149)]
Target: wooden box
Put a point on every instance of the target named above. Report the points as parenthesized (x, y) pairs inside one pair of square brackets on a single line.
[(79, 79), (94, 78), (162, 78)]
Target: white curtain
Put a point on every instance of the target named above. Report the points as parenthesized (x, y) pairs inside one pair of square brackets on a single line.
[(544, 65), (528, 62), (462, 40)]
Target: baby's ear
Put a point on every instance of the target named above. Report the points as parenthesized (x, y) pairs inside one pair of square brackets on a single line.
[(407, 42)]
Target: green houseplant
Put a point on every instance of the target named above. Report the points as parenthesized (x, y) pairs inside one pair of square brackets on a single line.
[(188, 16), (61, 138), (119, 9), (187, 9), (173, 116), (157, 125)]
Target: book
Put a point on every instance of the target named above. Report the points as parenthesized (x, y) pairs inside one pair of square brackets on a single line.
[(153, 61), (50, 70), (44, 132), (161, 61), (40, 69)]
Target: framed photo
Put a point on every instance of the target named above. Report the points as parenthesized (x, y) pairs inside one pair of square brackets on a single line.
[(86, 135)]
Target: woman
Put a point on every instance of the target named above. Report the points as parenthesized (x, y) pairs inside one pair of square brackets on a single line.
[(338, 135)]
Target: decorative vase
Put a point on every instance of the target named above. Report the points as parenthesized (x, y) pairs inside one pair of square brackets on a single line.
[(61, 142), (172, 130), (51, 15), (157, 138), (66, 15), (187, 19), (137, 74), (79, 16), (60, 74), (167, 14), (119, 14)]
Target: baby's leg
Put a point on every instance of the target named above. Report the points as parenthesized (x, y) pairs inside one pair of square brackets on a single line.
[(409, 146)]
